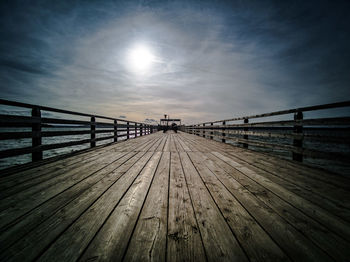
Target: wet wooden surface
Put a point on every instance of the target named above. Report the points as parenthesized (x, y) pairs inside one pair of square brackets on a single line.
[(174, 197)]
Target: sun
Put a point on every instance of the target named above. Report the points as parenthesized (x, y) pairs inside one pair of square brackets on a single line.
[(140, 58)]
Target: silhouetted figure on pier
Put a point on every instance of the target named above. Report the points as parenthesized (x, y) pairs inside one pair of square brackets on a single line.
[(164, 124), (174, 127)]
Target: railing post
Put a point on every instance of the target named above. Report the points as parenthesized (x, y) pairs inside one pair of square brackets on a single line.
[(151, 129), (115, 131), (203, 130), (141, 130), (223, 132), (135, 130), (211, 131), (298, 142), (36, 135), (127, 130), (245, 145), (92, 131)]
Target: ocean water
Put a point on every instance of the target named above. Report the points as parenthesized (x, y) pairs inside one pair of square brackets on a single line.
[(26, 142), (324, 146), (334, 166)]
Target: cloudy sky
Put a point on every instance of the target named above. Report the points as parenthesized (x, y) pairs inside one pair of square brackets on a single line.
[(207, 60)]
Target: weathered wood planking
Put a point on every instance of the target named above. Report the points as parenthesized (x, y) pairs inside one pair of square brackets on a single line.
[(174, 197), (184, 239)]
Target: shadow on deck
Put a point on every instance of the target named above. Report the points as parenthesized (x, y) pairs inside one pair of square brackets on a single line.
[(174, 197)]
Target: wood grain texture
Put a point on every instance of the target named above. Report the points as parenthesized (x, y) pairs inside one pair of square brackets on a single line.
[(148, 242), (173, 197)]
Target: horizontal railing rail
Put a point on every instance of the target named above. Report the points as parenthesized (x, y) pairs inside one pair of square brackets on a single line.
[(85, 130), (299, 136)]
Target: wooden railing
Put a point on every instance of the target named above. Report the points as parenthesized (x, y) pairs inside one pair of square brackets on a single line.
[(38, 127), (294, 136)]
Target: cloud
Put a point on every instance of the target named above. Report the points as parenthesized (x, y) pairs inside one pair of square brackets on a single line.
[(213, 61), (150, 121), (21, 67)]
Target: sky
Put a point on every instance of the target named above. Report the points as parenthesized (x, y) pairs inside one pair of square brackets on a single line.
[(209, 60)]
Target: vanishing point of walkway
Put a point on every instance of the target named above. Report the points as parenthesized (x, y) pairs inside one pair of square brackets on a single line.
[(174, 197)]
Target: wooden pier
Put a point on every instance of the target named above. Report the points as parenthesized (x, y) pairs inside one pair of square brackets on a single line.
[(174, 197)]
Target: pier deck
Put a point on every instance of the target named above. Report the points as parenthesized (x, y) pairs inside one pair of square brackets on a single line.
[(174, 197)]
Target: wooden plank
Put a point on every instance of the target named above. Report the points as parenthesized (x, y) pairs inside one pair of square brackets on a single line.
[(283, 134), (162, 144), (35, 217), (28, 199), (248, 214), (17, 205), (300, 170), (167, 143), (318, 233), (178, 146), (318, 121), (183, 145), (111, 241), (27, 174), (313, 233), (148, 241), (29, 185), (151, 141), (39, 148), (336, 156), (195, 146), (332, 222), (219, 242), (38, 240), (156, 142), (256, 243), (156, 145), (184, 142), (334, 199), (17, 135), (290, 240), (315, 191), (172, 143), (19, 177), (45, 176), (65, 121), (16, 120), (184, 240)]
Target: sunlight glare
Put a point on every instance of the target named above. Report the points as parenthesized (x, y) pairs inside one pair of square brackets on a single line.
[(140, 59)]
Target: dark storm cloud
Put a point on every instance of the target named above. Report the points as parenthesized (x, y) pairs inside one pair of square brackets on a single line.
[(213, 60)]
